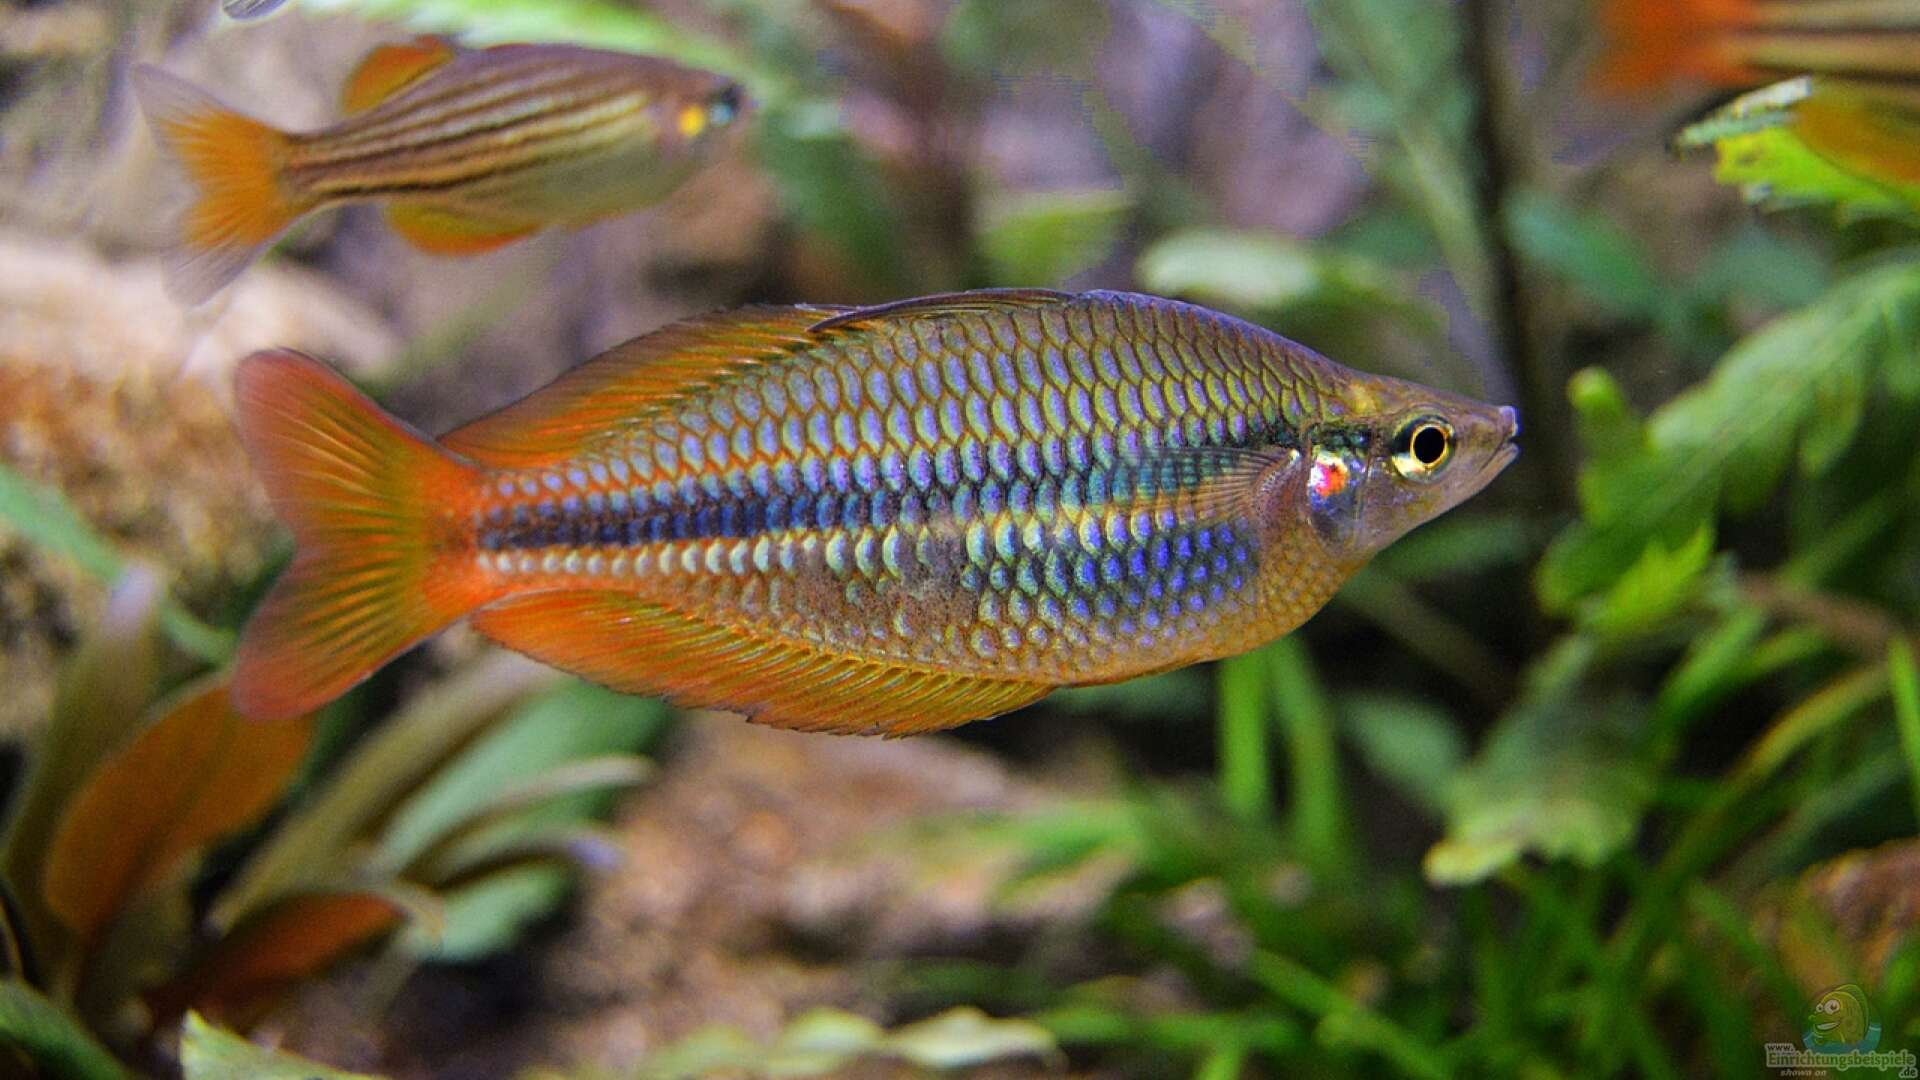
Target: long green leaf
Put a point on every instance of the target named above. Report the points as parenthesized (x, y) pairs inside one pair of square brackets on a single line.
[(209, 1053), (311, 850), (52, 1038), (44, 517)]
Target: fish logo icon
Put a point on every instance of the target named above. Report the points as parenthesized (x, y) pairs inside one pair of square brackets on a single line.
[(1842, 1022)]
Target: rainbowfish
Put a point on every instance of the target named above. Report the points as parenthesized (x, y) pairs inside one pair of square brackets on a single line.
[(1734, 43), (888, 519), (466, 149)]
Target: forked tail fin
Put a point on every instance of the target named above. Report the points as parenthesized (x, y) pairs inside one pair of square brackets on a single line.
[(241, 200), (379, 563)]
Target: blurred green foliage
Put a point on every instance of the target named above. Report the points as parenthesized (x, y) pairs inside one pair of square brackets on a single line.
[(1553, 789)]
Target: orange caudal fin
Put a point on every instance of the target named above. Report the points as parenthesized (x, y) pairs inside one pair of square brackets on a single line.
[(377, 565), (241, 202), (1651, 43)]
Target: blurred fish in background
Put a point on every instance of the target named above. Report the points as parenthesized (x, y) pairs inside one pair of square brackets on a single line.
[(465, 149), (1650, 44)]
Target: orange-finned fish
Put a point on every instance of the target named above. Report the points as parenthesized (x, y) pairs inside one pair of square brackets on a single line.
[(1733, 43), (888, 519), (466, 149)]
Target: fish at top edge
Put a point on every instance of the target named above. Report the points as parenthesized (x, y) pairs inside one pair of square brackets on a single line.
[(891, 519), (464, 149)]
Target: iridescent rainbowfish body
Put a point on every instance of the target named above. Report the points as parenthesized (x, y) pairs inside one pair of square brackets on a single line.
[(889, 519), (465, 149)]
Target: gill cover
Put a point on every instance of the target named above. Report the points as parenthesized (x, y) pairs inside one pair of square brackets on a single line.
[(1336, 480)]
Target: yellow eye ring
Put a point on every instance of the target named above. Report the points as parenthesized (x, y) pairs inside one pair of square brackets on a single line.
[(1422, 447)]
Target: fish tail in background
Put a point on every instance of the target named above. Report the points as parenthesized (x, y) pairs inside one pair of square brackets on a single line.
[(241, 200), (377, 564), (1650, 43), (1868, 133)]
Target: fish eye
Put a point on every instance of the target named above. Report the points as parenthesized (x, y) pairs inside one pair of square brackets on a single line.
[(1422, 447), (725, 106)]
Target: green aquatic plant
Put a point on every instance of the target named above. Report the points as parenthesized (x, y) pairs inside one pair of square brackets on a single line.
[(167, 857)]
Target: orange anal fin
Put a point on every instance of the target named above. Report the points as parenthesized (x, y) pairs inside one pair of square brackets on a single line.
[(636, 647), (377, 566), (389, 69), (630, 380), (449, 232)]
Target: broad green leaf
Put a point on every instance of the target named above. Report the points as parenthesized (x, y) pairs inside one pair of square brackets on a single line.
[(489, 913), (1271, 275), (834, 189), (1590, 252), (198, 772), (963, 1037), (242, 974), (51, 1038), (586, 776), (313, 847), (1045, 237), (1805, 141), (1558, 776), (1729, 439), (1409, 743), (571, 721), (209, 1053), (102, 693), (1654, 588)]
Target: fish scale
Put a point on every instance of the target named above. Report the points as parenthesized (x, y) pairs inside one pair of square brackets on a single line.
[(889, 519)]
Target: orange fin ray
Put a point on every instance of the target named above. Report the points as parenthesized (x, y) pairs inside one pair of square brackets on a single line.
[(637, 647), (372, 572), (234, 162), (630, 380), (449, 232), (389, 69)]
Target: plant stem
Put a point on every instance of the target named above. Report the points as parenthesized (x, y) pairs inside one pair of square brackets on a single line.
[(1308, 992), (1306, 721), (1246, 784)]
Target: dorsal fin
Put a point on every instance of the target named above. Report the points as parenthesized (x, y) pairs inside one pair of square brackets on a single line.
[(948, 304), (629, 380), (626, 643), (389, 69)]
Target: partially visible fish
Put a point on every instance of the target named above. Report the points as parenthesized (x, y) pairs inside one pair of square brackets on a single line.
[(1739, 43), (465, 149), (889, 519)]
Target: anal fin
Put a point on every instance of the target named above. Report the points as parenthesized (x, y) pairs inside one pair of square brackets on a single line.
[(637, 647), (449, 232)]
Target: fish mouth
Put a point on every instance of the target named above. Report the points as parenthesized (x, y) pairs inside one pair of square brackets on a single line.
[(1509, 447)]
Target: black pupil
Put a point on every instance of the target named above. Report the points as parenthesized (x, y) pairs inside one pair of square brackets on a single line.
[(1429, 445)]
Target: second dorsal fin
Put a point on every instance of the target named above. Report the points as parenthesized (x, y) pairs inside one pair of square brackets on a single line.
[(947, 304), (627, 380), (389, 69)]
